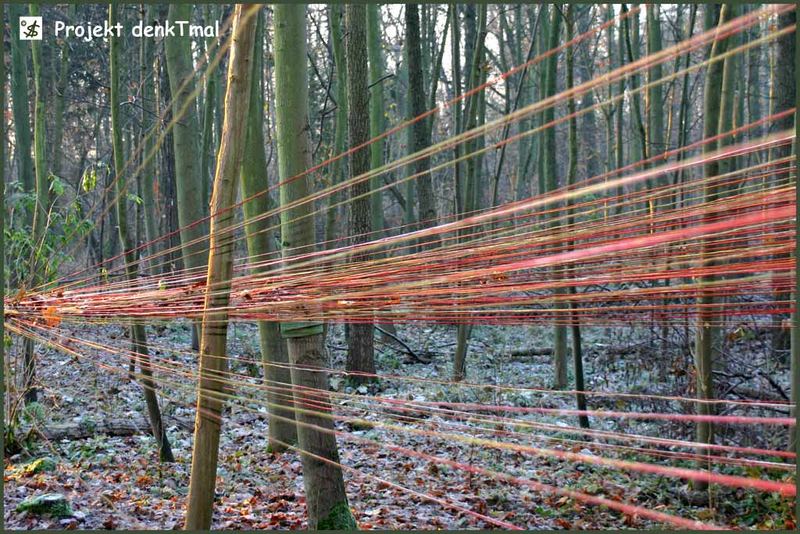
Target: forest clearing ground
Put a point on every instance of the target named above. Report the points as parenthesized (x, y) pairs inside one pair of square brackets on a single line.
[(116, 482)]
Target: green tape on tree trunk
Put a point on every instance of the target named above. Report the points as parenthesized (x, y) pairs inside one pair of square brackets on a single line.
[(289, 330)]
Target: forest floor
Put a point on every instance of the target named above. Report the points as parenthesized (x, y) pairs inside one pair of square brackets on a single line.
[(118, 483)]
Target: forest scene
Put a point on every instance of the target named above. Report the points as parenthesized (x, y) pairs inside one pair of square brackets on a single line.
[(399, 266)]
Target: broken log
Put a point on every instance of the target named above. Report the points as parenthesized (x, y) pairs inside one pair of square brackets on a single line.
[(88, 428)]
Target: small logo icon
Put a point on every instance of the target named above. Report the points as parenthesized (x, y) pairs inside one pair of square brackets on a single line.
[(30, 28)]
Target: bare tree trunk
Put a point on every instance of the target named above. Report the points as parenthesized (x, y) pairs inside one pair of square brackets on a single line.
[(22, 136), (468, 193), (785, 92), (419, 130), (361, 352), (704, 341), (551, 182), (138, 333), (377, 122), (335, 15), (60, 92), (188, 179), (211, 384), (575, 327), (261, 246), (324, 484), (146, 80)]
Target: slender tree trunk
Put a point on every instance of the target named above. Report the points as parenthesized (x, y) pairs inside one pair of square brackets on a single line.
[(377, 122), (335, 14), (261, 246), (361, 352), (376, 110), (620, 120), (655, 94), (138, 333), (207, 150), (60, 92), (640, 136), (462, 332), (22, 137), (213, 365), (706, 331), (19, 100), (544, 42), (785, 91), (575, 327), (434, 79), (419, 130), (469, 195), (40, 222), (188, 160), (551, 182), (149, 201), (324, 484)]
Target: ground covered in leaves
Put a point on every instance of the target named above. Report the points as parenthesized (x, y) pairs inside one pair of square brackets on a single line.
[(113, 482)]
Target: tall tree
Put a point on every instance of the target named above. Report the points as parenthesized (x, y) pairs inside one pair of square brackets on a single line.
[(376, 109), (655, 97), (60, 100), (575, 327), (261, 246), (785, 91), (137, 330), (420, 133), (19, 101), (632, 48), (361, 351), (704, 340), (209, 103), (188, 179), (211, 386), (40, 211), (551, 183), (324, 484), (147, 86), (377, 121), (22, 138), (335, 14), (467, 190)]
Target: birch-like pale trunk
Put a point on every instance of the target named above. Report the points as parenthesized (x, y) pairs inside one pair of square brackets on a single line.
[(214, 334)]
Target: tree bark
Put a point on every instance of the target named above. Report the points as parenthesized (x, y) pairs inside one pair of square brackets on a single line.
[(40, 213), (22, 135), (551, 182), (785, 92), (419, 130), (335, 14), (261, 246), (655, 91), (575, 327), (377, 122), (137, 330), (704, 340), (19, 100), (60, 92), (188, 178), (468, 193), (211, 386), (324, 484), (146, 81), (361, 351)]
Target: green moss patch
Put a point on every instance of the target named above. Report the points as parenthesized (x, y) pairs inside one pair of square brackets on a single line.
[(339, 518), (39, 465), (53, 504)]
